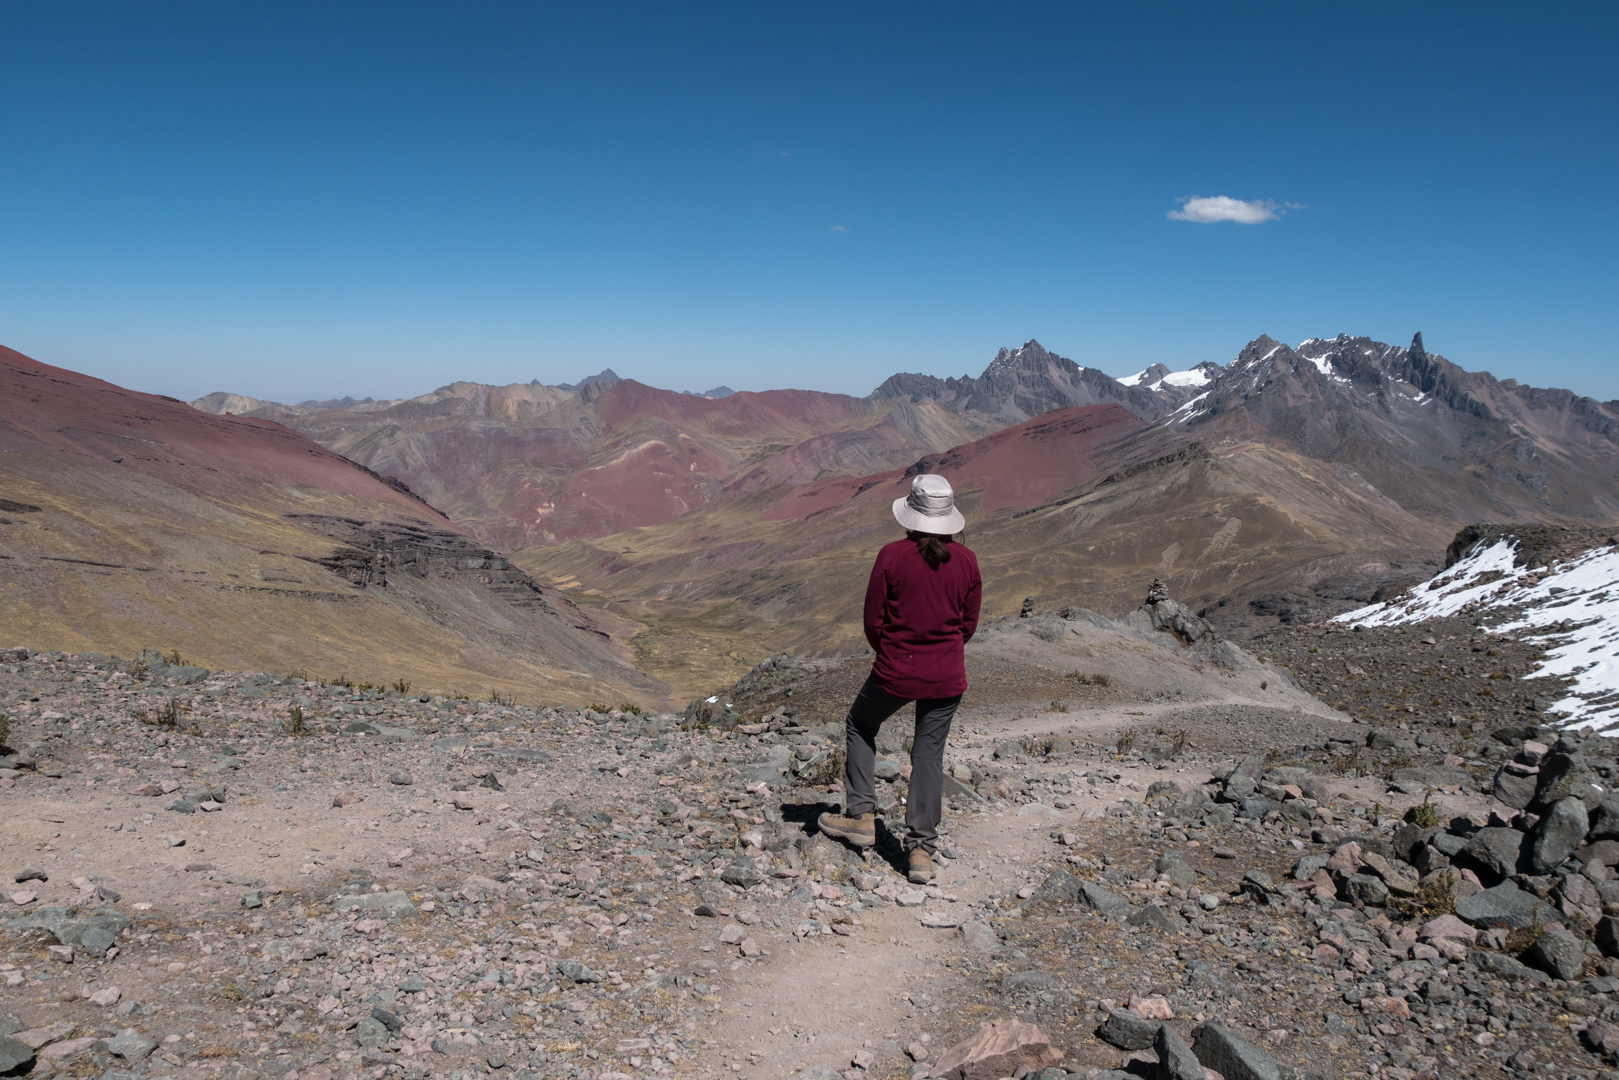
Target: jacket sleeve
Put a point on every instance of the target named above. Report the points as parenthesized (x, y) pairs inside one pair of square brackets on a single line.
[(876, 600), (969, 606)]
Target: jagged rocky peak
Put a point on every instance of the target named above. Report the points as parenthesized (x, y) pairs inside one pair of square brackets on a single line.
[(1029, 353), (606, 376)]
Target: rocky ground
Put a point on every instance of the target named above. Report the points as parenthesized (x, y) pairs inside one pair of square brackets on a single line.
[(424, 886)]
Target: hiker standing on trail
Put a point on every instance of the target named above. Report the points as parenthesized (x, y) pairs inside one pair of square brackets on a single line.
[(921, 610)]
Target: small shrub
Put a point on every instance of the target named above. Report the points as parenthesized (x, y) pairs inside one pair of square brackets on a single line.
[(1426, 815), (343, 681), (1126, 742), (364, 687), (595, 707), (5, 728), (1058, 706), (1264, 684), (402, 686), (138, 671), (496, 699), (1083, 679), (168, 715), (173, 657), (1179, 741), (824, 770), (627, 707), (1523, 937), (294, 723), (301, 675), (1037, 745)]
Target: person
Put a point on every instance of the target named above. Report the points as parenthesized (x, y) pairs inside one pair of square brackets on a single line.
[(921, 610)]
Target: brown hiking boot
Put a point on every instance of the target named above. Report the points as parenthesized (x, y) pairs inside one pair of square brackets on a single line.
[(922, 867), (860, 830)]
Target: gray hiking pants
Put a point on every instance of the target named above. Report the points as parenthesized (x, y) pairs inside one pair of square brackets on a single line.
[(924, 806)]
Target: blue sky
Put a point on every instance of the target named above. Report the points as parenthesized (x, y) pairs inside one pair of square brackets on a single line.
[(307, 200)]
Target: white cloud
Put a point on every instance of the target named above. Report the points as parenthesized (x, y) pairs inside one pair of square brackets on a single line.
[(838, 228), (1224, 208)]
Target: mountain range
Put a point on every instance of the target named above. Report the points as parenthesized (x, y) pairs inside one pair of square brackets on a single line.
[(530, 533), (1289, 484)]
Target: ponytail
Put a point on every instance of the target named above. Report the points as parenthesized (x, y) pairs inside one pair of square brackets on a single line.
[(932, 547)]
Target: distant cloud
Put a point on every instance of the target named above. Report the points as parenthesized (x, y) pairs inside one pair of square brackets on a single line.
[(1224, 208), (838, 228)]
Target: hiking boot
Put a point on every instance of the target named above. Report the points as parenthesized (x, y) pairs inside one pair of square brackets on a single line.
[(860, 830), (922, 867)]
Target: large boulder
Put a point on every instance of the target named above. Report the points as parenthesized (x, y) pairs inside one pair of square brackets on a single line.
[(1235, 1058), (1500, 850), (1127, 1031), (1559, 954), (1557, 834), (1514, 789), (1564, 775), (1505, 905), (1605, 821)]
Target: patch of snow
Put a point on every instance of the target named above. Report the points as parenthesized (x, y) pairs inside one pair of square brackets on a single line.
[(1573, 608), (1190, 408), (1323, 364), (1133, 380), (1270, 354), (1193, 377)]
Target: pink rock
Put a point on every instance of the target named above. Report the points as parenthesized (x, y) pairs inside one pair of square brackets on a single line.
[(1386, 1006), (1446, 926), (107, 995), (23, 896), (66, 1049), (1346, 860), (1292, 791), (1534, 752), (1151, 1008), (998, 1050)]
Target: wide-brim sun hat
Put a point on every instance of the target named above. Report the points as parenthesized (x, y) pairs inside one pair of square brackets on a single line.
[(930, 507)]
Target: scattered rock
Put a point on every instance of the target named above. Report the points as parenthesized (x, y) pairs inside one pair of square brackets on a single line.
[(997, 1050)]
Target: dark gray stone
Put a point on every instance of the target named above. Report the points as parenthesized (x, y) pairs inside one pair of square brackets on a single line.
[(1176, 869), (1514, 790), (1256, 806), (1234, 1058), (1564, 775), (386, 1018), (1559, 954), (1175, 1058), (1502, 851), (131, 1046), (370, 1033), (1127, 1031), (1094, 896), (96, 940), (1433, 776), (1364, 888), (1605, 821), (576, 971), (1152, 917), (1608, 936), (1557, 834), (1505, 966), (16, 1057), (1409, 839), (1506, 905), (1306, 867), (1060, 887), (742, 873), (1029, 980), (1251, 766)]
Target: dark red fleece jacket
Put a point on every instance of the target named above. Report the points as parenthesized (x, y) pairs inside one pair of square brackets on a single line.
[(919, 619)]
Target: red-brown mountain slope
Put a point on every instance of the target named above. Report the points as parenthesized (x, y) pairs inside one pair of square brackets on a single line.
[(132, 520)]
